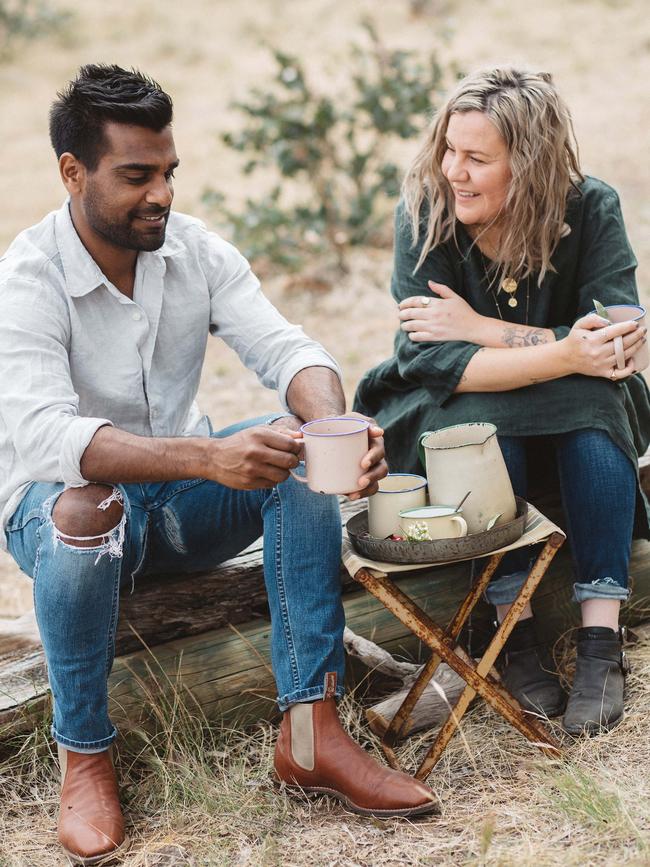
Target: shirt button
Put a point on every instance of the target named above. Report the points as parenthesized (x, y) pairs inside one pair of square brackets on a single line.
[(137, 316)]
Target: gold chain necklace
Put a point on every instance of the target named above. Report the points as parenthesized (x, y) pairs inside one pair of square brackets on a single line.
[(509, 285)]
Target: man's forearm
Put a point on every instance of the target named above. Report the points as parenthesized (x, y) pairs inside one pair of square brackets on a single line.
[(113, 455), (315, 392)]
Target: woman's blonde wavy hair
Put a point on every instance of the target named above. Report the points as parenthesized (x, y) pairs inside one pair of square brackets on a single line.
[(536, 126)]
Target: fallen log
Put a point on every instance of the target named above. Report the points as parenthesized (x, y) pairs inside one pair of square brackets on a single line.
[(223, 674), (224, 670), (434, 704)]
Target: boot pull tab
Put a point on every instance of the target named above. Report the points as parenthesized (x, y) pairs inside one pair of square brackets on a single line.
[(329, 685)]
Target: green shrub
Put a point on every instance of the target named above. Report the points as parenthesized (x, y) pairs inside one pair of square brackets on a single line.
[(27, 19), (332, 155)]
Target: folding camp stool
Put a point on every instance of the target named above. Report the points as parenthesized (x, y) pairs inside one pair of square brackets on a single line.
[(442, 642)]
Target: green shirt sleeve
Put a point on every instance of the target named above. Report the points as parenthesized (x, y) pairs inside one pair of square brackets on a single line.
[(606, 262), (435, 365)]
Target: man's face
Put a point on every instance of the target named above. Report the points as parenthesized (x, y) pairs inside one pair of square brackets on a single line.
[(126, 199)]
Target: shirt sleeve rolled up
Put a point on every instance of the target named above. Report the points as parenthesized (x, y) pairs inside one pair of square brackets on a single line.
[(38, 403)]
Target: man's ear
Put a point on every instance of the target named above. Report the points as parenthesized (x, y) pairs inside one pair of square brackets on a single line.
[(73, 173)]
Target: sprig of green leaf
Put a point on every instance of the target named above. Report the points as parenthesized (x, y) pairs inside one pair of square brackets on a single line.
[(601, 310)]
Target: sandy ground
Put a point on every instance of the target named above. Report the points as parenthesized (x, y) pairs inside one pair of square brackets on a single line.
[(209, 52)]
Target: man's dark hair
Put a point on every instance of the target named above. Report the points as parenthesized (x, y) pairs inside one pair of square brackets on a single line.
[(101, 93)]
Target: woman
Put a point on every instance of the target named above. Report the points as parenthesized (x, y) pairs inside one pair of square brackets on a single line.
[(501, 246)]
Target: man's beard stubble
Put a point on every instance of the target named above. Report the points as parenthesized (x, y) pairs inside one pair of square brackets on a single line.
[(121, 234)]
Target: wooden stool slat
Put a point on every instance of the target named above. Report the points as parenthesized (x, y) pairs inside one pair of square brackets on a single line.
[(400, 720), (476, 675)]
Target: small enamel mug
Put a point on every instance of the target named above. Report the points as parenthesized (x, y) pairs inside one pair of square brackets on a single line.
[(397, 492), (436, 522), (629, 313), (334, 449)]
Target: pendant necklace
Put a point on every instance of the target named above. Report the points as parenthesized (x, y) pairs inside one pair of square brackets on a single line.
[(508, 285)]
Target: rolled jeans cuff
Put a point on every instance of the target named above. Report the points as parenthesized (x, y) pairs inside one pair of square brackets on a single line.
[(86, 747), (504, 590), (312, 693), (601, 588)]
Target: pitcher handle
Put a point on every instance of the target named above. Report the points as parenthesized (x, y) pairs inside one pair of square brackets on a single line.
[(421, 454), (462, 523)]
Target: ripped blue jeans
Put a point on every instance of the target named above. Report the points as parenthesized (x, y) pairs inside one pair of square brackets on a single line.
[(598, 484), (184, 526)]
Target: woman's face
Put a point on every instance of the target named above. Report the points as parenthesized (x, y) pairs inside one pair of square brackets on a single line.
[(477, 166)]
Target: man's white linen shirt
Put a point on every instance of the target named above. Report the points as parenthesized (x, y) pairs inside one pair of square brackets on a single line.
[(77, 354)]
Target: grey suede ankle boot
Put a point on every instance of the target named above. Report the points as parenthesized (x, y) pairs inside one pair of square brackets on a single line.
[(596, 699), (528, 671)]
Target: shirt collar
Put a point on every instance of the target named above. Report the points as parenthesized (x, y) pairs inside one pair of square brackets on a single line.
[(82, 273)]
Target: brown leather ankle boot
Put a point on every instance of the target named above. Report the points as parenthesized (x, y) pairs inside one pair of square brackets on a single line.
[(314, 754), (91, 827)]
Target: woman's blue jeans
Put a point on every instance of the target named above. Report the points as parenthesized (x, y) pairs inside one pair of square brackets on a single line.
[(184, 526), (598, 484)]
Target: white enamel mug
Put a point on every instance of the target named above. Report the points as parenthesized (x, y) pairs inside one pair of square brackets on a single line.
[(629, 313), (441, 522), (397, 492), (334, 449)]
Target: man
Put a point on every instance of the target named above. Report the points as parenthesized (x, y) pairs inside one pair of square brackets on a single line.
[(108, 471)]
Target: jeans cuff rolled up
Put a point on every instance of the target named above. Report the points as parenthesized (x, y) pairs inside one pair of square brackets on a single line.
[(601, 588), (504, 590)]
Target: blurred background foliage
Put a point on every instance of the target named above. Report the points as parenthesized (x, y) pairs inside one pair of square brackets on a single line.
[(336, 150), (27, 19)]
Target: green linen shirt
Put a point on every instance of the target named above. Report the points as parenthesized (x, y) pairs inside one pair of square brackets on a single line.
[(414, 390)]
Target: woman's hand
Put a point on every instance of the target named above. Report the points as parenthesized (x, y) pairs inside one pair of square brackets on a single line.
[(447, 317), (590, 346)]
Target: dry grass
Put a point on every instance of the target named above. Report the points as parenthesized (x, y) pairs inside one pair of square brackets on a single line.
[(208, 791)]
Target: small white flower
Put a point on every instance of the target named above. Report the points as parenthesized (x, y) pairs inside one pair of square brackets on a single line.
[(418, 532)]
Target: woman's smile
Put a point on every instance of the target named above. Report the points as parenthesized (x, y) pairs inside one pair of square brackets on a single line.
[(477, 167)]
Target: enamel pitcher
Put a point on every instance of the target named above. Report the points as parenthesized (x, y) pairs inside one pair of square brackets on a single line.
[(467, 457)]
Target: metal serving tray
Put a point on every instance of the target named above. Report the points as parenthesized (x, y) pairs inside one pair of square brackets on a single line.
[(438, 550)]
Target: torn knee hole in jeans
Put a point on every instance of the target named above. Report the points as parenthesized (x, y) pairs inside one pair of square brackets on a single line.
[(111, 542)]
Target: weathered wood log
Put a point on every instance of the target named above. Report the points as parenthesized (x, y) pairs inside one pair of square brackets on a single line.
[(227, 669), (224, 673), (434, 704)]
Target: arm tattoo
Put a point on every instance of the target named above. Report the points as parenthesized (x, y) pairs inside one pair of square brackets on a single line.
[(517, 335)]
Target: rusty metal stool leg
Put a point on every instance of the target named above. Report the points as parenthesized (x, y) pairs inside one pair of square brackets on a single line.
[(395, 730), (434, 637), (476, 676), (488, 659)]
